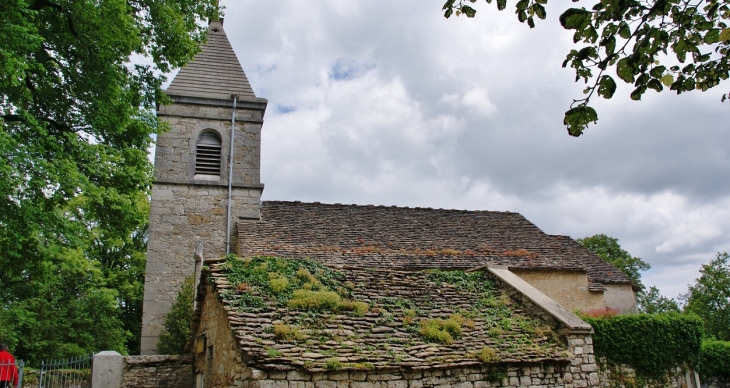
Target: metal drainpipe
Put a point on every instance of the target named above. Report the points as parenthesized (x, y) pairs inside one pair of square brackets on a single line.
[(230, 175)]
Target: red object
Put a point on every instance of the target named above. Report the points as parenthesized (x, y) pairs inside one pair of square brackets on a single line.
[(8, 370)]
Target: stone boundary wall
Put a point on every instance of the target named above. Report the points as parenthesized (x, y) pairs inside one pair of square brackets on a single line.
[(158, 372), (624, 376), (112, 370)]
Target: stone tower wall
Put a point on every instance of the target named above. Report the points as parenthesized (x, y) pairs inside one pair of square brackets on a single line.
[(184, 210)]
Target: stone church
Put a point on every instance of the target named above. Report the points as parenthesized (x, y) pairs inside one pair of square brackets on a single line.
[(207, 193)]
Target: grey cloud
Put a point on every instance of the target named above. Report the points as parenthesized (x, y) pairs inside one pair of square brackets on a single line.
[(325, 141)]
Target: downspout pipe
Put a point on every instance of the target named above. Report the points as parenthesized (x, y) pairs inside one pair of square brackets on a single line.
[(230, 175)]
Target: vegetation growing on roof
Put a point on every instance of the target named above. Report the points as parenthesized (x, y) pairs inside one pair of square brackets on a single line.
[(463, 281), (320, 300), (296, 284), (333, 364), (288, 332), (487, 355), (441, 330), (316, 308)]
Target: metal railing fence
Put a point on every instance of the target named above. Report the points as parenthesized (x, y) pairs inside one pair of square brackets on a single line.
[(72, 372), (7, 372)]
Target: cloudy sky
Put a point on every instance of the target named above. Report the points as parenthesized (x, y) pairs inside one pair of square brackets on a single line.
[(388, 103)]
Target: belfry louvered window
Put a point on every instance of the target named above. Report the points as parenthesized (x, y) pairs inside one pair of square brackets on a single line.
[(208, 155)]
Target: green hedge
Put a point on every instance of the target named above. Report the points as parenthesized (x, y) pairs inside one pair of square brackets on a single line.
[(650, 343), (714, 360)]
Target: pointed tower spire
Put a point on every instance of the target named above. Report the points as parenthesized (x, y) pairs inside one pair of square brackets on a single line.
[(214, 72)]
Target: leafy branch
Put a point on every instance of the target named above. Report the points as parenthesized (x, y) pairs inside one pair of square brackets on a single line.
[(634, 37)]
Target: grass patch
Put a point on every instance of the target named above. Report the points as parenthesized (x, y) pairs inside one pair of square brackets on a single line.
[(487, 355), (542, 331), (277, 283), (321, 300), (495, 332), (271, 352), (333, 364), (361, 366), (359, 309), (288, 332), (440, 330), (408, 316)]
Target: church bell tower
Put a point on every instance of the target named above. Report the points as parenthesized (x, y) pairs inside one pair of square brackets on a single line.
[(207, 173)]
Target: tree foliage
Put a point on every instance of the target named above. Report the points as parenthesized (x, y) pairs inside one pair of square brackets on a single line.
[(652, 302), (609, 249), (76, 119), (709, 297), (176, 332), (637, 38)]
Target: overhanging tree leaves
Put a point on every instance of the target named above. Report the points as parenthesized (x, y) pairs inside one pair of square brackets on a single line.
[(635, 37), (709, 297), (75, 124)]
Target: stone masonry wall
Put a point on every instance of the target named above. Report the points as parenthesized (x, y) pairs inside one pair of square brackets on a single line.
[(583, 368), (623, 376), (539, 375), (180, 215), (569, 288), (184, 211), (158, 372), (218, 358), (175, 149)]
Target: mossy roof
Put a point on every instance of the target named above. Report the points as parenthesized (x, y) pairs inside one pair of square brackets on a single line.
[(384, 337), (415, 238)]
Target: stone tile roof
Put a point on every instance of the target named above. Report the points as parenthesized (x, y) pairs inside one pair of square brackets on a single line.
[(382, 338), (214, 72), (415, 238)]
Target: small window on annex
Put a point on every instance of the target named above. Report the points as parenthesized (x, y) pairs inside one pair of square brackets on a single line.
[(208, 156)]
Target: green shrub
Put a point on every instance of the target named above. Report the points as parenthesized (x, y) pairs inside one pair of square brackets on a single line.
[(440, 330), (487, 355), (650, 343), (333, 364), (714, 360), (287, 332), (176, 330), (306, 276), (322, 300), (277, 283), (452, 327), (432, 333)]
